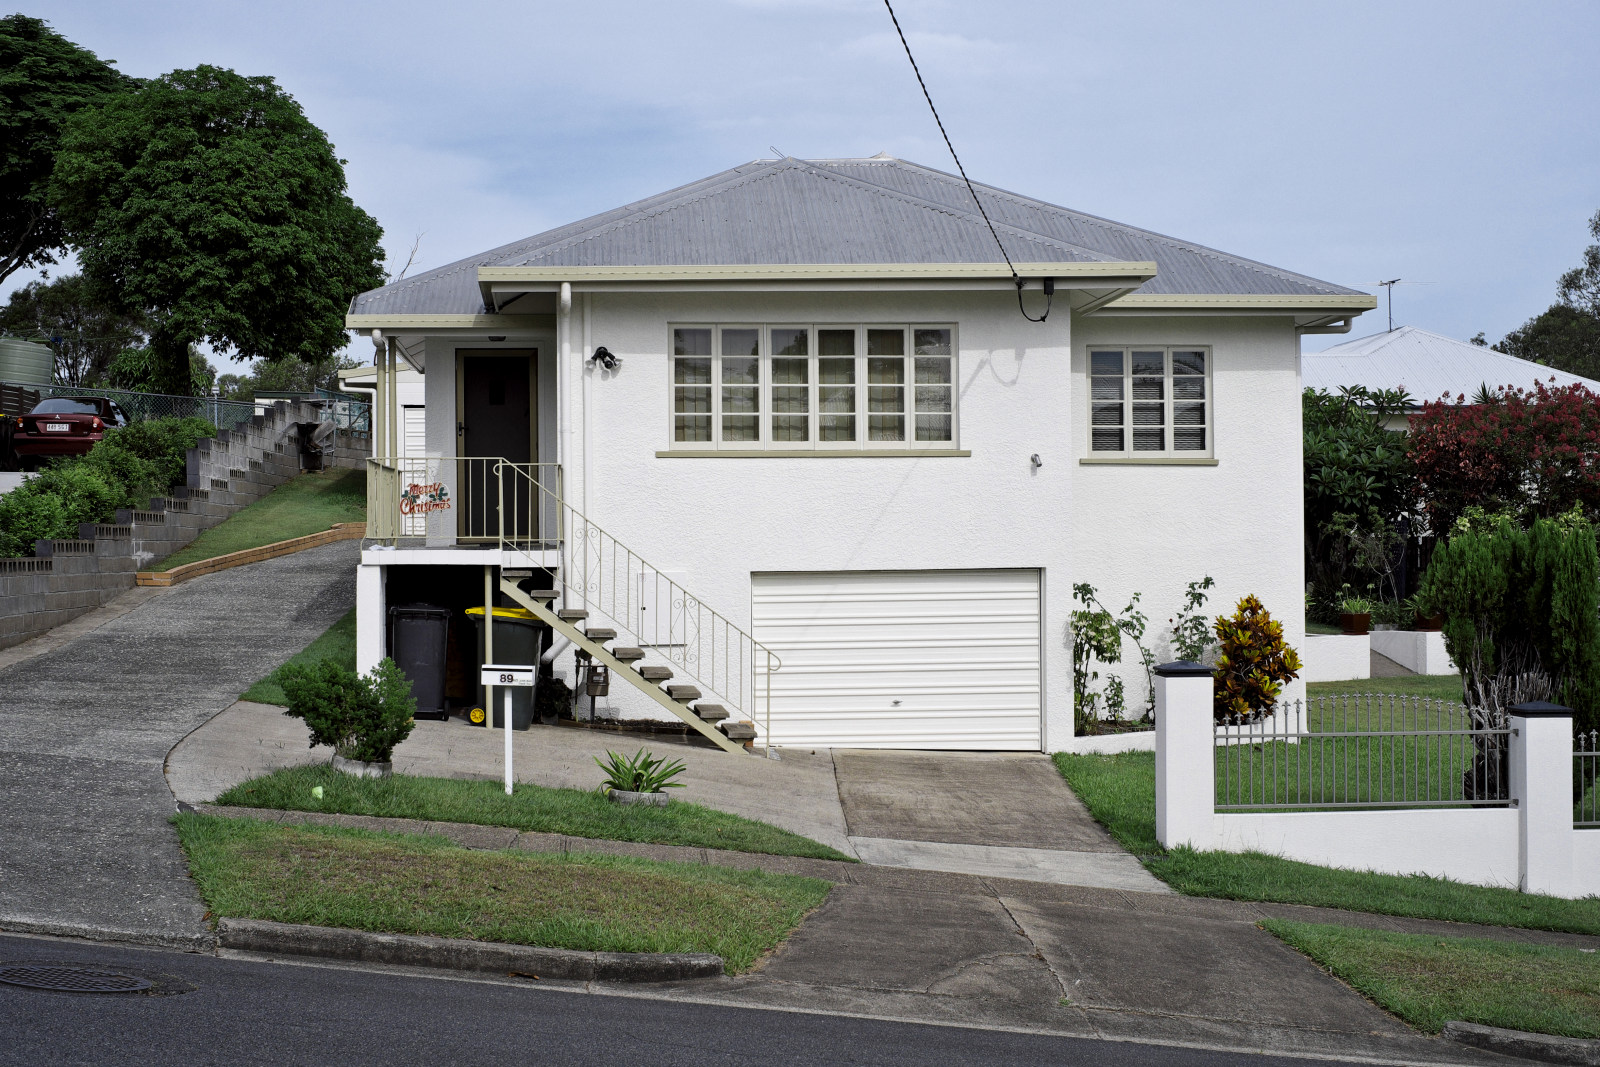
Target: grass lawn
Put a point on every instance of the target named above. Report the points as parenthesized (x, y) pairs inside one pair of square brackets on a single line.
[(305, 505), (395, 883), (1322, 628), (1428, 981), (338, 642), (1120, 792), (576, 812), (1438, 686)]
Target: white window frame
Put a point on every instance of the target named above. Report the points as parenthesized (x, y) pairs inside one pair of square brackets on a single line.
[(813, 444), (1167, 451)]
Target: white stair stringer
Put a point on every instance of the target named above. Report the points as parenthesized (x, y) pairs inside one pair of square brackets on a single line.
[(619, 669)]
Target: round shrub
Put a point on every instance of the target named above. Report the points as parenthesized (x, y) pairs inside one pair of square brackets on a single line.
[(361, 717)]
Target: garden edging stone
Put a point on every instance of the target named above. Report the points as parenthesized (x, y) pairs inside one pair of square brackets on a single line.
[(445, 953), (1545, 1047)]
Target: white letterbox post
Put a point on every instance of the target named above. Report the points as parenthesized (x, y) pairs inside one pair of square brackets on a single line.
[(508, 678), (1186, 768), (1541, 788)]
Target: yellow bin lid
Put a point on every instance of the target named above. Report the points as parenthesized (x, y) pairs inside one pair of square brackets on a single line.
[(503, 613)]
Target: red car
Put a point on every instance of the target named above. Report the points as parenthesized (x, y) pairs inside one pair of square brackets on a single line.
[(64, 426)]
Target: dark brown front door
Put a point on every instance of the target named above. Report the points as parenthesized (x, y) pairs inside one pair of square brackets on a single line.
[(497, 421)]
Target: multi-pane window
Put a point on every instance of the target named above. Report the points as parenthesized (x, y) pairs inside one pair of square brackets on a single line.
[(1149, 400), (813, 387)]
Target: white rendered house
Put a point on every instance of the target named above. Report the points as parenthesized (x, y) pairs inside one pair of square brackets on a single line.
[(785, 434)]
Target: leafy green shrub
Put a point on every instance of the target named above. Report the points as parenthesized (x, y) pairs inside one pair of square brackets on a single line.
[(164, 443), (1254, 662), (643, 773), (553, 699), (26, 516), (361, 717)]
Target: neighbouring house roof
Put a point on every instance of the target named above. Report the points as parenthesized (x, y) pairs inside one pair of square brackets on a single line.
[(850, 212), (1426, 365)]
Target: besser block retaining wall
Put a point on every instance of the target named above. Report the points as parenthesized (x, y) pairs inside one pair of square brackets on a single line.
[(224, 473)]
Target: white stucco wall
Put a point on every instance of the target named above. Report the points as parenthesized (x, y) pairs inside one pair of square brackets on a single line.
[(1122, 528), (1152, 529)]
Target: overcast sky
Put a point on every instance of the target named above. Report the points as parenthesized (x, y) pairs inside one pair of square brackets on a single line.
[(1453, 144)]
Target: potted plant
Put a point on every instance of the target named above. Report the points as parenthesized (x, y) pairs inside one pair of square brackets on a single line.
[(644, 779), (1355, 615), (1422, 615), (361, 717)]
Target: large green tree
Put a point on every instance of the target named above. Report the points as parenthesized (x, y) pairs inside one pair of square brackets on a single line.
[(1566, 335), (211, 202), (84, 324), (43, 78)]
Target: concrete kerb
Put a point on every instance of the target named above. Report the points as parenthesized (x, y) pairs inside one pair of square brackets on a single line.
[(250, 935), (1543, 1047)]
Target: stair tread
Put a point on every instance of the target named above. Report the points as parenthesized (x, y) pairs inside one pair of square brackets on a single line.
[(684, 692), (626, 653), (711, 712), (737, 731), (653, 673), (600, 633), (572, 614), (540, 594)]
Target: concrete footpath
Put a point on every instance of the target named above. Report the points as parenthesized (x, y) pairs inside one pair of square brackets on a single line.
[(87, 719)]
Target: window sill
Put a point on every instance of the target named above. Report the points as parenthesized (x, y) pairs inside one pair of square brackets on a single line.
[(817, 453), (1146, 461)]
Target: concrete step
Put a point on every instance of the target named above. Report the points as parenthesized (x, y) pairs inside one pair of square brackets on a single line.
[(600, 634), (738, 731), (684, 693), (628, 655), (711, 712), (572, 614), (654, 673), (545, 595)]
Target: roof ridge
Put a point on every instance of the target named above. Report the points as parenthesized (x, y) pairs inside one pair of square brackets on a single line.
[(1097, 220)]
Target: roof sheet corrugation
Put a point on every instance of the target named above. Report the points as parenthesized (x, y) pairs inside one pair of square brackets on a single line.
[(1426, 365), (881, 210)]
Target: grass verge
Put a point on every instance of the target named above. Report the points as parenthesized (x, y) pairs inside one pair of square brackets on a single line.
[(304, 505), (1428, 981), (395, 883), (1120, 793), (337, 642), (575, 812), (1438, 686)]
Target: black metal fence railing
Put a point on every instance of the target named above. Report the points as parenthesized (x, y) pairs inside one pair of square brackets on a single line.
[(1585, 769)]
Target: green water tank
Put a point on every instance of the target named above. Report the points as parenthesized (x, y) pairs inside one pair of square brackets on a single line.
[(27, 362)]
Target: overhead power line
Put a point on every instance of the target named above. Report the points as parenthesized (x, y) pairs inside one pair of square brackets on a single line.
[(1049, 284)]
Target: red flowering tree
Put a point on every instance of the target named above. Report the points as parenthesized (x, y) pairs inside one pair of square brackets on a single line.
[(1530, 453)]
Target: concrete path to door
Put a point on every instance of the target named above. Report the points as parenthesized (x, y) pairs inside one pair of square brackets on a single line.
[(87, 719), (1002, 815)]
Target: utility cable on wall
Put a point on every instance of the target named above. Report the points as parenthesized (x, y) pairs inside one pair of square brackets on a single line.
[(1049, 283)]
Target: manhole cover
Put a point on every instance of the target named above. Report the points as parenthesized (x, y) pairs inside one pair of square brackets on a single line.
[(70, 979)]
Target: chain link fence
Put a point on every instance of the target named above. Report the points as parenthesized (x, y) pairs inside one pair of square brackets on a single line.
[(347, 412)]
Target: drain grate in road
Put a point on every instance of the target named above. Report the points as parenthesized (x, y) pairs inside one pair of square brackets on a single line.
[(70, 979)]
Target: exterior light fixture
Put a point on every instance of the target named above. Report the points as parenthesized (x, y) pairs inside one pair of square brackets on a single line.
[(605, 359)]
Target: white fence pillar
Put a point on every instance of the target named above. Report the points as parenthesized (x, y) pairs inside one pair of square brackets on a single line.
[(1541, 788), (371, 616), (1186, 769)]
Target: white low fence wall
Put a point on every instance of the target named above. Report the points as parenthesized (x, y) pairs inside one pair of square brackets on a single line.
[(1526, 841), (1336, 658), (1422, 651)]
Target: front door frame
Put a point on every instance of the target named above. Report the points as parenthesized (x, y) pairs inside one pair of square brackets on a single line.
[(531, 353)]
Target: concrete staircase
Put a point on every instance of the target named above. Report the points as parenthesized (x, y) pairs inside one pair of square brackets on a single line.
[(627, 663)]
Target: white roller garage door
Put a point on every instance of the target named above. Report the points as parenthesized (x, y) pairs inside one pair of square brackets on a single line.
[(903, 659)]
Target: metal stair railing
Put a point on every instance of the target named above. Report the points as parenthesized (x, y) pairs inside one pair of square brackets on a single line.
[(599, 573)]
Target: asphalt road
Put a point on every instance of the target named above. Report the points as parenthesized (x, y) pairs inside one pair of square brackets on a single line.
[(235, 1011)]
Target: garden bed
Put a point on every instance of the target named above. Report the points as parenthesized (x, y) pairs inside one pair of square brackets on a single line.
[(404, 884)]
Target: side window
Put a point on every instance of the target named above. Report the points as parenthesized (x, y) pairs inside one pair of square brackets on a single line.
[(1149, 401)]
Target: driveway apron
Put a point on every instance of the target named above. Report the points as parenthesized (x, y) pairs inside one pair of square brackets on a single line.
[(85, 727)]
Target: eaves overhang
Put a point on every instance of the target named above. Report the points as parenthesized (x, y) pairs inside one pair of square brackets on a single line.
[(1325, 306), (501, 285)]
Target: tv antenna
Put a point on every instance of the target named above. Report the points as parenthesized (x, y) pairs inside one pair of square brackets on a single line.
[(1388, 288)]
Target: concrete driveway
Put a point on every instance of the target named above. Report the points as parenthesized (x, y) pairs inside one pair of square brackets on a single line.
[(86, 723), (1005, 815)]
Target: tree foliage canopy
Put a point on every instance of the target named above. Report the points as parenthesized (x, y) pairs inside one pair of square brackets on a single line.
[(1566, 335), (84, 325), (209, 200), (43, 78)]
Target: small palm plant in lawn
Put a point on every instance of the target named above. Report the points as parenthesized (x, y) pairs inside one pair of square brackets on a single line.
[(641, 779)]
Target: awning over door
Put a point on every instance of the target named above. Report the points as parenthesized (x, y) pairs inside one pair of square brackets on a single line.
[(903, 659)]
